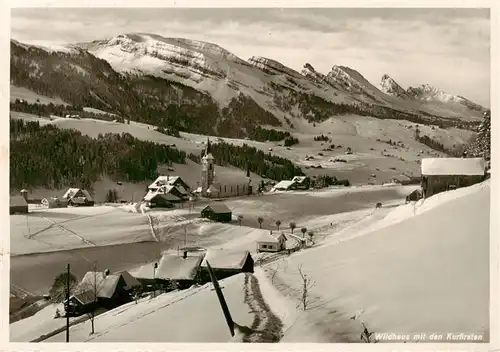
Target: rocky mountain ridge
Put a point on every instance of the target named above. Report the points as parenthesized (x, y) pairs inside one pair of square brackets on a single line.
[(202, 87)]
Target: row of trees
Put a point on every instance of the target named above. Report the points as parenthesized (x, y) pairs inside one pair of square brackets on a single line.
[(45, 156), (263, 134)]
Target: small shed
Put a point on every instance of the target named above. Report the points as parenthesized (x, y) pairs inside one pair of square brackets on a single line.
[(414, 196), (217, 212), (269, 242), (18, 205), (226, 263), (443, 174)]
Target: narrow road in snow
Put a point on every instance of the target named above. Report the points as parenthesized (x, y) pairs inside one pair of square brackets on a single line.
[(266, 327)]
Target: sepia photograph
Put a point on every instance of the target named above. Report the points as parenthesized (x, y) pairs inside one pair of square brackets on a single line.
[(250, 175)]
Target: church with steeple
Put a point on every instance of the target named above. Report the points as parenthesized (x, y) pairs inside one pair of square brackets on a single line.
[(225, 184)]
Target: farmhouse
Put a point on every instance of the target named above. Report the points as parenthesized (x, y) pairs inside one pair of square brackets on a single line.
[(226, 263), (269, 242), (101, 289), (285, 185), (217, 212), (166, 190), (78, 197), (442, 174), (18, 205)]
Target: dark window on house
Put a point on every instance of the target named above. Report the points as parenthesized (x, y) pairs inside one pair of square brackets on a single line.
[(264, 246), (238, 189), (225, 189), (231, 189)]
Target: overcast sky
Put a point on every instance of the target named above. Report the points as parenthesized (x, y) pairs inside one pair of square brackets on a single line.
[(447, 48)]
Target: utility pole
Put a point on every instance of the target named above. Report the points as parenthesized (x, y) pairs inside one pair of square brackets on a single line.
[(67, 304)]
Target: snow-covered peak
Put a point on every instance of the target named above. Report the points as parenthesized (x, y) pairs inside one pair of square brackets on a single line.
[(391, 87), (309, 71)]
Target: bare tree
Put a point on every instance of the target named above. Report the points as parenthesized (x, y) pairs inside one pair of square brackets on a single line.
[(307, 284), (278, 223), (240, 218), (311, 234), (260, 219), (293, 225), (303, 230)]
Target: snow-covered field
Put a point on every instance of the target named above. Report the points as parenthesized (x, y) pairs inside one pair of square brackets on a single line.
[(370, 157), (47, 230), (191, 315), (422, 268), (415, 268), (32, 97)]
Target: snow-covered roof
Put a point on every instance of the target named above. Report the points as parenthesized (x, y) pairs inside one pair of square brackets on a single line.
[(271, 237), (164, 180), (175, 267), (225, 259), (218, 208), (299, 179), (285, 184), (70, 192), (452, 166), (208, 156), (104, 285), (18, 201)]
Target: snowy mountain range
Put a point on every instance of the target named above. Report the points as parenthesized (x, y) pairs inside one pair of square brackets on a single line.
[(270, 92)]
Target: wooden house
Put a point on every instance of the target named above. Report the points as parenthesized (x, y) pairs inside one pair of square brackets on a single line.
[(78, 197), (217, 212), (226, 263), (443, 174), (269, 242), (102, 290), (183, 269), (18, 205)]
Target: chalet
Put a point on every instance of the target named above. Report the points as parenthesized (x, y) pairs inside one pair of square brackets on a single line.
[(285, 185), (18, 205), (302, 182), (101, 289), (181, 188), (442, 174), (217, 212), (226, 263), (269, 242), (78, 197)]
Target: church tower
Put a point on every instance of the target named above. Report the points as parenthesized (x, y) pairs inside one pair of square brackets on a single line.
[(207, 169)]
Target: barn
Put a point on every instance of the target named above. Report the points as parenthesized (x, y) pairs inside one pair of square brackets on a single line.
[(443, 174), (18, 205), (217, 212), (226, 263)]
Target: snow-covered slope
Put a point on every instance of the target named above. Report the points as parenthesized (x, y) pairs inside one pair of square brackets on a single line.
[(420, 269)]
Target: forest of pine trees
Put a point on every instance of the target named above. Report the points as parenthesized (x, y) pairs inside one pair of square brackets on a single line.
[(45, 156), (249, 158)]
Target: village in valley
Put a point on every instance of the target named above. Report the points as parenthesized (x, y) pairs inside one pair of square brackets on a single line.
[(333, 211)]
